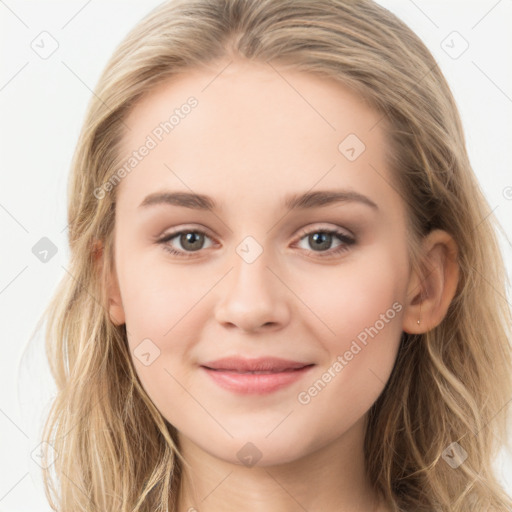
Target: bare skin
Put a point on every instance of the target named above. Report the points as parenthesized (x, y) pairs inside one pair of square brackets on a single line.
[(252, 140)]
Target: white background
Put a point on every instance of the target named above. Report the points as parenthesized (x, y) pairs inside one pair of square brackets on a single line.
[(42, 104)]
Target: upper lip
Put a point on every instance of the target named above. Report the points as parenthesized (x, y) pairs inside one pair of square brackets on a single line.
[(241, 364)]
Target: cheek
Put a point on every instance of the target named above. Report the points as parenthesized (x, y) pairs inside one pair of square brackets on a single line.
[(161, 308), (361, 308), (356, 295), (156, 294), (162, 325)]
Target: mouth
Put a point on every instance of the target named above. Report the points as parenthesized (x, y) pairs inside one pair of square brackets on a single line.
[(256, 372), (241, 380), (261, 364)]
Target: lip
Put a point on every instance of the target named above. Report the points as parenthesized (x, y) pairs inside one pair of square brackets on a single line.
[(231, 373)]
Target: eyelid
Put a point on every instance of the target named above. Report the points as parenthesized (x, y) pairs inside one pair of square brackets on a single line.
[(321, 227), (303, 231), (184, 227)]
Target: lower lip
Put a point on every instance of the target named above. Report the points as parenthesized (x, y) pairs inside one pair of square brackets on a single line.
[(255, 383)]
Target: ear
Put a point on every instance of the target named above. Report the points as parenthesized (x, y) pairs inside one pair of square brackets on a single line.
[(430, 294), (115, 304)]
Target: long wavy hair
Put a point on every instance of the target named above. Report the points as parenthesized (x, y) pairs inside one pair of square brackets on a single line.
[(112, 448)]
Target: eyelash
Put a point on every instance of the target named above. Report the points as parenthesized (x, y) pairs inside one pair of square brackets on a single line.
[(342, 236)]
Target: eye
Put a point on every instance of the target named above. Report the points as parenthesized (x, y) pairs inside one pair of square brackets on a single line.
[(321, 239), (192, 240)]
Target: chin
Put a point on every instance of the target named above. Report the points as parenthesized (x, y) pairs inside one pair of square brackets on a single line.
[(257, 450)]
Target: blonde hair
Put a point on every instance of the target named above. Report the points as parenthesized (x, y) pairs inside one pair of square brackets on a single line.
[(115, 451)]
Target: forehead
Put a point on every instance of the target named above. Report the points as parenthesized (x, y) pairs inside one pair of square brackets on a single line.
[(242, 127)]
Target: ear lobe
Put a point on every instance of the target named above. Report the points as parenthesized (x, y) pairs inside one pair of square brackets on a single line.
[(115, 304), (432, 293)]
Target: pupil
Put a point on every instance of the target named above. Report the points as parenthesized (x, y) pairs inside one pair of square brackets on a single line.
[(190, 238), (324, 239)]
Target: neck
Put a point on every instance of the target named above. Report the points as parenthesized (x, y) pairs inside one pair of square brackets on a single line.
[(330, 478)]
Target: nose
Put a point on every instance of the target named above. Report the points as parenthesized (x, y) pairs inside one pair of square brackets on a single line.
[(253, 298)]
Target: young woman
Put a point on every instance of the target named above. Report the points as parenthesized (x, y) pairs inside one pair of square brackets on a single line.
[(285, 291)]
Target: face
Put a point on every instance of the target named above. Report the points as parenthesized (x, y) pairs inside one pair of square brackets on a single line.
[(251, 275)]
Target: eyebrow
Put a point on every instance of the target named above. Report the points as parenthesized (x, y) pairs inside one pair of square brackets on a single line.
[(303, 201)]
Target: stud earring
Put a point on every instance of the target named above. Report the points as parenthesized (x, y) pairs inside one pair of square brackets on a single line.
[(419, 319)]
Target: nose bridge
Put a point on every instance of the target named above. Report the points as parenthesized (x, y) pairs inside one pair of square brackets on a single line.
[(253, 296), (251, 272)]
